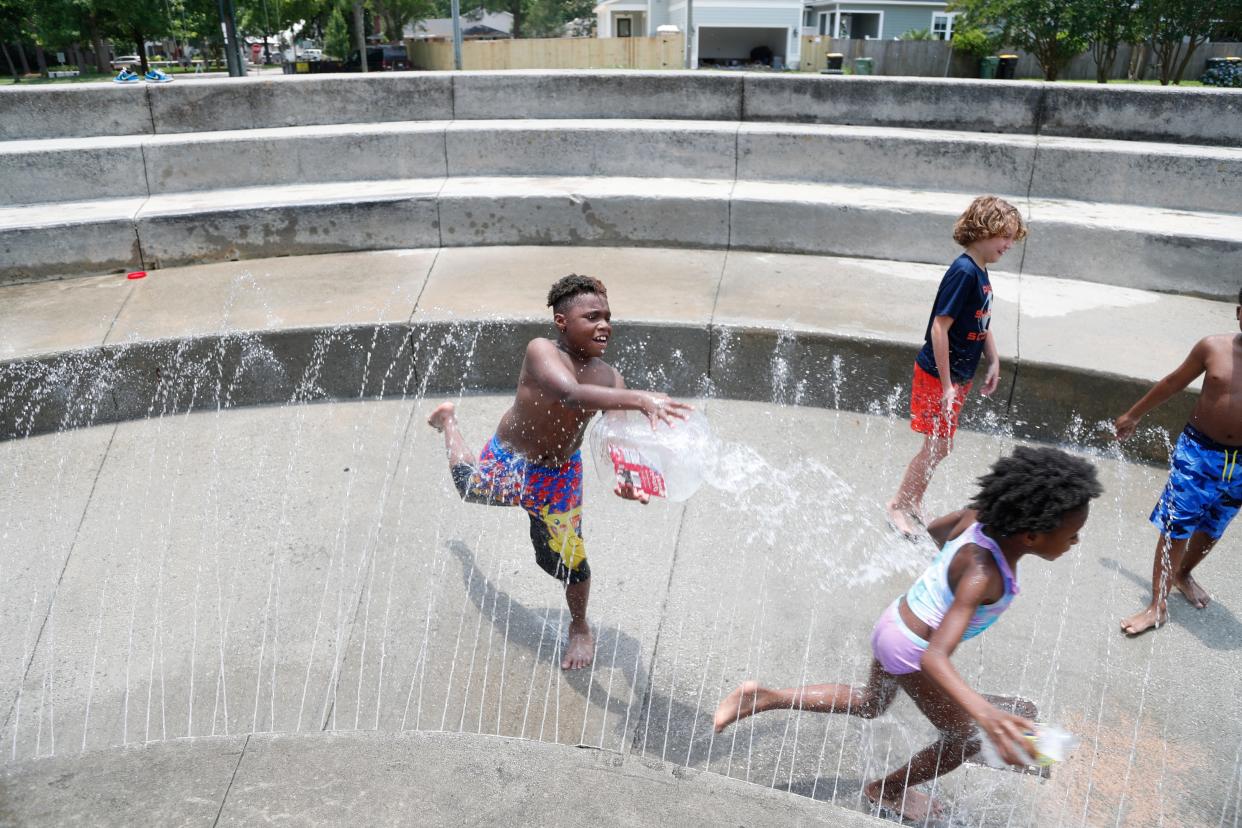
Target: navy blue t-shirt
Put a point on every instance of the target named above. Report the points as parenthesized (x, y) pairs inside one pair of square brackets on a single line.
[(966, 295)]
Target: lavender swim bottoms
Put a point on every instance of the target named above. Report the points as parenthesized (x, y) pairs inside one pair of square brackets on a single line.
[(898, 650)]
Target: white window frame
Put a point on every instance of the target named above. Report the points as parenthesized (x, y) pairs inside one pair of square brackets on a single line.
[(950, 18)]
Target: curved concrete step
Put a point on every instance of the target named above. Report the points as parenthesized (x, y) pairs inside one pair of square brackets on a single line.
[(839, 333), (392, 779), (1141, 247), (1200, 116), (1126, 172)]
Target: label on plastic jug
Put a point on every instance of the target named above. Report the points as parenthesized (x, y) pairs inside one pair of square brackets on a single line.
[(632, 469)]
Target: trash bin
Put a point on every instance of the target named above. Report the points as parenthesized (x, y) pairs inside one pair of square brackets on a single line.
[(835, 61), (1008, 63), (863, 66), (987, 67)]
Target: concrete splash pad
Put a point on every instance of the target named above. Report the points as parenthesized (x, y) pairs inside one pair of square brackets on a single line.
[(308, 568)]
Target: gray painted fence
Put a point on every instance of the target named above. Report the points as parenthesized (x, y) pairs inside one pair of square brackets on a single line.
[(933, 58)]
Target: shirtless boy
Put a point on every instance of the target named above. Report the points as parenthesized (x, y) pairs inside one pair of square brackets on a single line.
[(1204, 490), (534, 462)]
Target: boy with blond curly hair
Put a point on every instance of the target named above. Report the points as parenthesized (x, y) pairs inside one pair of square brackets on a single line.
[(958, 334)]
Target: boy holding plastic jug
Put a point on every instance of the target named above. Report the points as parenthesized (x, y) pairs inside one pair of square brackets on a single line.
[(533, 461), (1031, 503)]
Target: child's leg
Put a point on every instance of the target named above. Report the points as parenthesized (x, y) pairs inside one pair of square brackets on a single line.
[(580, 650), (866, 702), (958, 742), (1198, 548), (561, 552), (1174, 561), (444, 419), (908, 502)]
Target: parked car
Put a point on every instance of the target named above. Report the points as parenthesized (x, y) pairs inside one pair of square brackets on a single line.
[(379, 59), (310, 54), (125, 60)]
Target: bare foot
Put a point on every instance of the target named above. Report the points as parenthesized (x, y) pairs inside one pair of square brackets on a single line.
[(444, 414), (901, 521), (742, 702), (909, 804), (580, 651), (1145, 620), (1194, 593)]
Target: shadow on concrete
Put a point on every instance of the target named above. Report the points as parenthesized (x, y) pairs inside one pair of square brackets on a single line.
[(661, 726), (539, 631), (1215, 625)]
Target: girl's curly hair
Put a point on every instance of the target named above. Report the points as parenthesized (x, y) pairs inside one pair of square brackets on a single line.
[(986, 218), (567, 287), (1033, 489)]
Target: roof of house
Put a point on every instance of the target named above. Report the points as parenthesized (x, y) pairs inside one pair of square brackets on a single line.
[(476, 23)]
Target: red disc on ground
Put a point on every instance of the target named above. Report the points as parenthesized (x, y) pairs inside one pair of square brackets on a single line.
[(136, 274)]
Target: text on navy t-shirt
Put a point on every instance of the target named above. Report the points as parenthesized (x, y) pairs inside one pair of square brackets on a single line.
[(965, 294)]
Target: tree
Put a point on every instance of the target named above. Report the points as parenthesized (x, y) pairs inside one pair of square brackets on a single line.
[(1109, 23), (396, 14), (336, 35), (1054, 31), (1176, 28), (12, 28)]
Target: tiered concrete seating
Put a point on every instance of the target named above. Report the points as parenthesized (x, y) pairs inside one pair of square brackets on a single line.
[(1133, 187)]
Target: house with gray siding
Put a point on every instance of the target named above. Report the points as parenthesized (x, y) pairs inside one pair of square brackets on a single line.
[(724, 32), (876, 21)]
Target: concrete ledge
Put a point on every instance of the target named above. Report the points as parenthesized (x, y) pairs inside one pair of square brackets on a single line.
[(619, 211), (328, 779), (1196, 116), (292, 100), (1149, 113), (1133, 246), (74, 110), (56, 170), (1125, 172), (256, 223), (593, 94), (927, 103), (690, 323), (659, 149)]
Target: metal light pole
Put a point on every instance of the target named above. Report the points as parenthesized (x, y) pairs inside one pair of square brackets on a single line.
[(690, 34), (457, 34)]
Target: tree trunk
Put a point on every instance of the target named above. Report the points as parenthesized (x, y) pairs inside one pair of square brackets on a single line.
[(21, 56), (41, 60), (360, 36), (517, 19), (9, 60), (142, 50), (1181, 67), (80, 59), (101, 59)]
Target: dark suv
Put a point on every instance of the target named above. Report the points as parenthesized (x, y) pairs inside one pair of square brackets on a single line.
[(379, 59)]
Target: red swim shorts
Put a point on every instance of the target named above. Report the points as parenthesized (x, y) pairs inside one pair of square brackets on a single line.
[(925, 416)]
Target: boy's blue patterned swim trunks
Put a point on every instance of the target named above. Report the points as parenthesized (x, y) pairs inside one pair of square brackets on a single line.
[(552, 496), (1204, 491)]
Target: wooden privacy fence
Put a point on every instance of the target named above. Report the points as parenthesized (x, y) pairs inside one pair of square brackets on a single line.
[(662, 52), (934, 59)]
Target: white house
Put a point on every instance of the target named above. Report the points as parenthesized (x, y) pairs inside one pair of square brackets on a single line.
[(724, 31), (883, 20)]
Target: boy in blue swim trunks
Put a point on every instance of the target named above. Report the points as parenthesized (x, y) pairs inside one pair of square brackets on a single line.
[(533, 461), (1032, 503), (1204, 490)]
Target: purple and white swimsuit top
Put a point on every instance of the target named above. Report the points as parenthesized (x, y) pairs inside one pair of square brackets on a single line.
[(930, 596)]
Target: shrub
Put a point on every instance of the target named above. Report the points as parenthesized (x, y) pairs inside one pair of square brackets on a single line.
[(1228, 75)]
